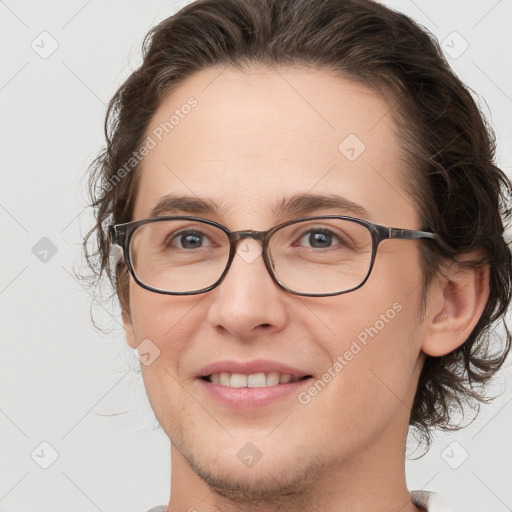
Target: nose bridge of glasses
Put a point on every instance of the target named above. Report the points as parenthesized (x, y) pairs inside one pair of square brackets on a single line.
[(236, 236)]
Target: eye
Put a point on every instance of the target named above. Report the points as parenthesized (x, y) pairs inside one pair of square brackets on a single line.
[(188, 240), (320, 238)]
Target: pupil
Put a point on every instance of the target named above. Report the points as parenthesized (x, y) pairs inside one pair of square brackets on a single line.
[(320, 239), (190, 241)]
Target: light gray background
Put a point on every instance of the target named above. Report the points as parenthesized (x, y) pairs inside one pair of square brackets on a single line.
[(63, 382)]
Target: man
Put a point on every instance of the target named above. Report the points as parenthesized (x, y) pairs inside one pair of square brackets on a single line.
[(313, 249)]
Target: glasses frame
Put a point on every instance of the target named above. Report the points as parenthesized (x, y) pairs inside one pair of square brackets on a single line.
[(122, 234)]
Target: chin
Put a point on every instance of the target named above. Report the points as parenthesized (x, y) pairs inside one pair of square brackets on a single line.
[(267, 480)]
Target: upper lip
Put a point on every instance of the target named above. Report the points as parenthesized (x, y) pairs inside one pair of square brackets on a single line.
[(249, 367)]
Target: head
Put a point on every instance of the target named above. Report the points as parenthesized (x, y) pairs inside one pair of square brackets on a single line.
[(245, 103)]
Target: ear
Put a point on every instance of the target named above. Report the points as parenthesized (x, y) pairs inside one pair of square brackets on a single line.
[(455, 303), (128, 329)]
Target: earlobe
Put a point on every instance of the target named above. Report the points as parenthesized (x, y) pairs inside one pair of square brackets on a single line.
[(454, 306)]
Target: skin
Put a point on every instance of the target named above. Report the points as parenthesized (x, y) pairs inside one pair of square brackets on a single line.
[(257, 136)]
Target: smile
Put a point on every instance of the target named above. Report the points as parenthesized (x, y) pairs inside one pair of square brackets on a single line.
[(254, 380)]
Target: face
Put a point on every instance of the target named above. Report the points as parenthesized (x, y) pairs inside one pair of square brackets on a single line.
[(253, 140)]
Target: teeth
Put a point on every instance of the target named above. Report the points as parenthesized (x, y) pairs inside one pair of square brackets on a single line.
[(272, 379), (224, 379), (238, 380), (255, 380)]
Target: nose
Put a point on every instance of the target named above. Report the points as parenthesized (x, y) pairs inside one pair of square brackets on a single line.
[(248, 301)]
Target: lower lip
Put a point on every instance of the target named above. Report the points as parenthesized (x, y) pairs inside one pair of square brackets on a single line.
[(249, 398)]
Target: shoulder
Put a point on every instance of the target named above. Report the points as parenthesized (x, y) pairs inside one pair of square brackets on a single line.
[(160, 508), (430, 501)]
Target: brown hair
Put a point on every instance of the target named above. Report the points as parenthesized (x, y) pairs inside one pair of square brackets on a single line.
[(461, 194)]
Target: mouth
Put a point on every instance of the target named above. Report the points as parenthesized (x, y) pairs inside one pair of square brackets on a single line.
[(253, 380), (246, 385)]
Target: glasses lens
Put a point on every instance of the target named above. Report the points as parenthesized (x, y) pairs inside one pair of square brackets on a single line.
[(179, 255), (321, 256)]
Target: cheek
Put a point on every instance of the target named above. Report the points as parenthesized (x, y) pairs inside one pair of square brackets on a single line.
[(162, 318), (164, 325), (380, 318), (374, 343), (167, 333), (371, 376)]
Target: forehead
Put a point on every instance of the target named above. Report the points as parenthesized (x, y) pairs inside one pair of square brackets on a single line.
[(247, 139)]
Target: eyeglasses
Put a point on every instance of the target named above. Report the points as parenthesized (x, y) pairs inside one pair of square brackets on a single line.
[(311, 256)]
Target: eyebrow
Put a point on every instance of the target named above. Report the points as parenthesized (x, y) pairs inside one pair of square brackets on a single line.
[(298, 204)]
